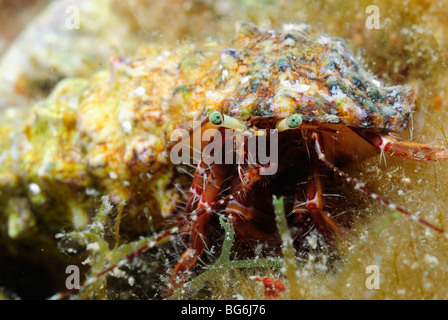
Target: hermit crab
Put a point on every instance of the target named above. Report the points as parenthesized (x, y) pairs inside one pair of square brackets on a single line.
[(269, 114), (311, 99)]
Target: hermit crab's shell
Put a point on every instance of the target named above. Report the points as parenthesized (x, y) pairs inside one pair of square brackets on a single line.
[(278, 73)]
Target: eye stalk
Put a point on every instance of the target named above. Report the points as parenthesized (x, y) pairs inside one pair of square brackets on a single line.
[(292, 122), (219, 119)]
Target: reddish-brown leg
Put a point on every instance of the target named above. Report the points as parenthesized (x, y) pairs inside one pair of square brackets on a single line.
[(252, 225), (314, 205), (249, 221), (207, 183), (404, 149)]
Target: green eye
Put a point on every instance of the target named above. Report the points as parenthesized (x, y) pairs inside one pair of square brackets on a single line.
[(288, 123), (294, 121), (216, 118)]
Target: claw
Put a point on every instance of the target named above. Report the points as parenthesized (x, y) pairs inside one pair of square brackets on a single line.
[(403, 149)]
